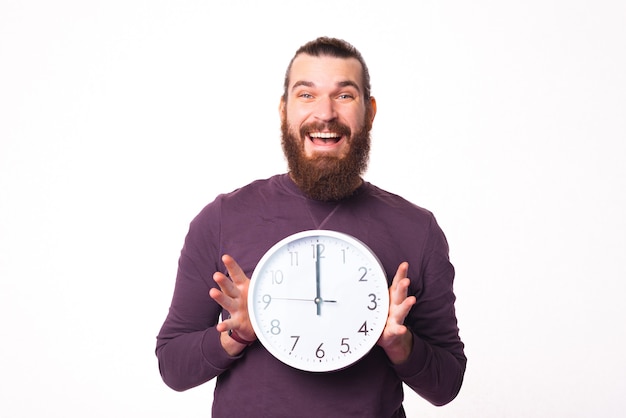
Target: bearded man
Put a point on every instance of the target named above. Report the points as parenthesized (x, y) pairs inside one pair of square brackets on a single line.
[(326, 115)]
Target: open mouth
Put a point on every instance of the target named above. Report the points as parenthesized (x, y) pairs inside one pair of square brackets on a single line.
[(325, 138)]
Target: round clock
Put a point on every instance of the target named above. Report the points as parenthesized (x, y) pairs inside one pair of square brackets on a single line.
[(318, 300)]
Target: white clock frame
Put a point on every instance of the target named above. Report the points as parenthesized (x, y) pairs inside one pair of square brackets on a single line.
[(318, 300)]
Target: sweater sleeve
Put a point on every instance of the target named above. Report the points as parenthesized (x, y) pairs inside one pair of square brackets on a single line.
[(436, 365), (188, 348)]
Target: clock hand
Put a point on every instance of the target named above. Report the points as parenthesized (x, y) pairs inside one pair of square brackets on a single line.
[(318, 298), (307, 300)]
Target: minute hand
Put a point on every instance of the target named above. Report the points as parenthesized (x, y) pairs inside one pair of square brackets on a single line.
[(318, 297)]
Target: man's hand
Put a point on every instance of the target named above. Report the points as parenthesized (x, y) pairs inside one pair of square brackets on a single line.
[(397, 339), (233, 296)]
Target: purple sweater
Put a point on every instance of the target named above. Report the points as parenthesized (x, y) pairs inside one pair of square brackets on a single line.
[(245, 224)]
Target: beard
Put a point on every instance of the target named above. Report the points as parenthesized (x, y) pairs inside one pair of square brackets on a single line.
[(323, 177)]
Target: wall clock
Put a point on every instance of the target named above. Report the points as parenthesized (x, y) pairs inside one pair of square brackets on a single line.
[(318, 300)]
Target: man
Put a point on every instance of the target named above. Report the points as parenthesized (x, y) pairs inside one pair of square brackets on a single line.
[(327, 114)]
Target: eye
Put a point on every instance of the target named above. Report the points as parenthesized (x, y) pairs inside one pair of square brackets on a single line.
[(305, 95), (345, 96)]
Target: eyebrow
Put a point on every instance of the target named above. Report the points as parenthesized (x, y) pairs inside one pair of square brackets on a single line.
[(347, 83)]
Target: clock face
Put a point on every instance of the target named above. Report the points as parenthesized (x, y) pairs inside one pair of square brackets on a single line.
[(318, 300)]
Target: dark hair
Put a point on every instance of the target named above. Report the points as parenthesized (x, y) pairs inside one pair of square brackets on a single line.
[(332, 47)]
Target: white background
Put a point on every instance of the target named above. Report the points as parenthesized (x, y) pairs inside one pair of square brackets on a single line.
[(121, 119)]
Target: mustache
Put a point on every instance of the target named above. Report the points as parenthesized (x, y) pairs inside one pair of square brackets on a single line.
[(334, 126)]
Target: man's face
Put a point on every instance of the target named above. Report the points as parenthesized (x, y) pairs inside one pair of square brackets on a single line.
[(326, 124)]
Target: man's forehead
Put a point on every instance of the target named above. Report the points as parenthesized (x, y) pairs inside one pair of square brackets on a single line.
[(309, 68)]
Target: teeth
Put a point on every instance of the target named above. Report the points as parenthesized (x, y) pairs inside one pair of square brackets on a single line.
[(324, 135)]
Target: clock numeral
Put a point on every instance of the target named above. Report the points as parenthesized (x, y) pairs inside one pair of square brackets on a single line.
[(343, 255), (275, 330), (318, 249), (374, 303), (266, 299), (296, 338), (345, 345), (364, 329), (319, 353), (277, 276), (294, 258), (363, 271)]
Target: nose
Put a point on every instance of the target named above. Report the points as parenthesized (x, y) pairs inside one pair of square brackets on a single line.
[(325, 109)]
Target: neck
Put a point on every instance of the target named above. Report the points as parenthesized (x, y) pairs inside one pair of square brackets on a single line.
[(327, 188)]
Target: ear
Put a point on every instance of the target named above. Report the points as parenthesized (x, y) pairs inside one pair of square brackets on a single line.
[(373, 112), (282, 108)]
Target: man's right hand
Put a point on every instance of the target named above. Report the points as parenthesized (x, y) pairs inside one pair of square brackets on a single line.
[(233, 297)]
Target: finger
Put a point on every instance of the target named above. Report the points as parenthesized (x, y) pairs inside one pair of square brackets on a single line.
[(223, 300), (400, 310), (228, 304), (404, 308), (224, 325), (395, 322), (225, 284), (402, 289), (234, 271), (401, 273), (400, 285)]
